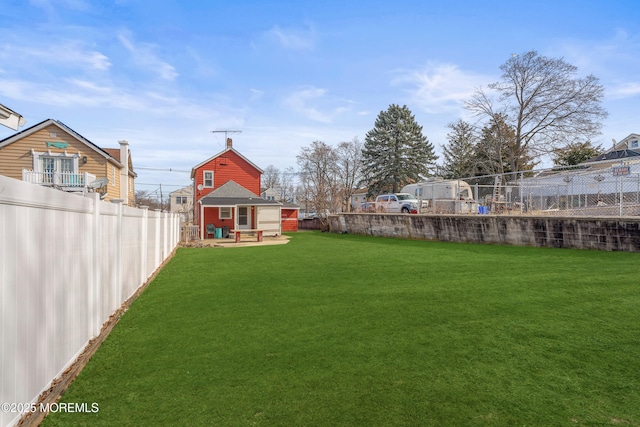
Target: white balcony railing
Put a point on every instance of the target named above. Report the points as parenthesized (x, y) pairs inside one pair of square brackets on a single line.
[(65, 180)]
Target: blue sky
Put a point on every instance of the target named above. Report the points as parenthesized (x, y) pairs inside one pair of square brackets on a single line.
[(164, 74)]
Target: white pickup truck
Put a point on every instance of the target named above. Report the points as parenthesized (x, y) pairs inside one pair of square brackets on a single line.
[(398, 202)]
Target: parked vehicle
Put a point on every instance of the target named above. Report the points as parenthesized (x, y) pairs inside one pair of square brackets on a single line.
[(451, 196), (397, 202)]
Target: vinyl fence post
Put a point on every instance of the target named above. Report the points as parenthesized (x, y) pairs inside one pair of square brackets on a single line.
[(94, 288), (118, 262), (158, 257), (144, 245)]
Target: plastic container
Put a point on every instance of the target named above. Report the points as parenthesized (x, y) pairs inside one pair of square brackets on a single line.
[(218, 233)]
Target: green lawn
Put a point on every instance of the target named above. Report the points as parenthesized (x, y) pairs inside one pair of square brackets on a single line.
[(342, 330)]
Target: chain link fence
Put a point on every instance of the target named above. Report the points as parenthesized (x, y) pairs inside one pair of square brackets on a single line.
[(611, 189)]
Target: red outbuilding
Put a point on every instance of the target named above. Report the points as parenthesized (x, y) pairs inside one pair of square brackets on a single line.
[(226, 197)]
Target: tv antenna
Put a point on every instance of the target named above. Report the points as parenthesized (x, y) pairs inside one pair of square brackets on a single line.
[(226, 133)]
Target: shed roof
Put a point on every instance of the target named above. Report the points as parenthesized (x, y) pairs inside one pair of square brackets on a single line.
[(290, 205), (231, 194), (235, 201)]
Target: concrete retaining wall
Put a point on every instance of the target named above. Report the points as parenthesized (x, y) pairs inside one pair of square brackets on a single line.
[(603, 233)]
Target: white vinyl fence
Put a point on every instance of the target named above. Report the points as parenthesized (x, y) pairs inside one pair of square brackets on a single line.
[(67, 262)]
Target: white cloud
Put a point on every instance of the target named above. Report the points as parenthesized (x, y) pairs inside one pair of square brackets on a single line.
[(440, 87), (293, 39), (91, 87), (61, 54), (613, 60), (314, 104), (49, 5), (144, 57), (625, 90), (256, 94)]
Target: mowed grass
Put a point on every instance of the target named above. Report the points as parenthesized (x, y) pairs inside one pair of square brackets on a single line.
[(342, 330)]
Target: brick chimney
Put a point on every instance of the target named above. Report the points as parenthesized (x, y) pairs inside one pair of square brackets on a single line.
[(229, 143)]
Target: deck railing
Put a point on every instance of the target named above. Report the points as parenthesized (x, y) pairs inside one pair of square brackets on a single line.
[(65, 180)]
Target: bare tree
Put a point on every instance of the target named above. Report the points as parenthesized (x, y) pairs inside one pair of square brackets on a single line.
[(271, 177), (349, 155), (544, 102), (318, 172), (287, 187), (147, 198)]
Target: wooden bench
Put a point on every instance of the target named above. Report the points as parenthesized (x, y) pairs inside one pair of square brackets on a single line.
[(238, 233)]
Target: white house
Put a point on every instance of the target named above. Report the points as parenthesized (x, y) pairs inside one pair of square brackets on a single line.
[(269, 194), (181, 201)]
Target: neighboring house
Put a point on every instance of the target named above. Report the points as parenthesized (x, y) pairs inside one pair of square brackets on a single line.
[(631, 142), (54, 155), (181, 201), (269, 194), (627, 149), (226, 195)]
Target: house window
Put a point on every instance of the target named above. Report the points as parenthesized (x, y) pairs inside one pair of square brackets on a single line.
[(634, 143), (48, 169), (181, 200), (208, 179), (225, 213), (56, 168)]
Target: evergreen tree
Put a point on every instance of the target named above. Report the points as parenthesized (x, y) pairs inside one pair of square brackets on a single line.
[(496, 152), (491, 150), (458, 154), (576, 153), (395, 151)]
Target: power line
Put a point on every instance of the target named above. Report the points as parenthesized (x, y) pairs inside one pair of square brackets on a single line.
[(163, 170), (166, 185)]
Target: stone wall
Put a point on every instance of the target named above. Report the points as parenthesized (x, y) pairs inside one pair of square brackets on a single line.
[(602, 233)]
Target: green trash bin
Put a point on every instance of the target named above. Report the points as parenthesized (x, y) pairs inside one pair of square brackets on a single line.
[(218, 233)]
